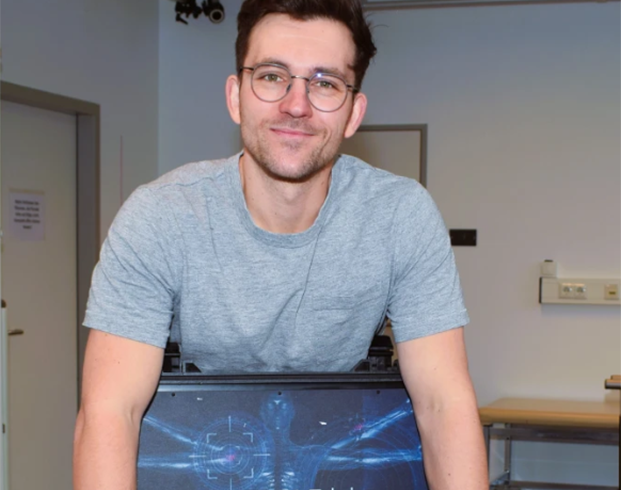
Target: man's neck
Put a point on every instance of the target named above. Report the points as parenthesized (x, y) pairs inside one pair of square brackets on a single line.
[(279, 206)]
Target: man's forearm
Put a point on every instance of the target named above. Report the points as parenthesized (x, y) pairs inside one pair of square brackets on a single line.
[(105, 450), (453, 448)]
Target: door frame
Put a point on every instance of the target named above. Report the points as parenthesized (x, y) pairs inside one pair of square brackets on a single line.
[(88, 187)]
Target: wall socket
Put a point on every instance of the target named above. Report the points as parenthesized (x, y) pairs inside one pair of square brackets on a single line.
[(570, 290)]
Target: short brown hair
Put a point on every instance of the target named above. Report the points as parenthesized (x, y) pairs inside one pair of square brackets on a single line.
[(348, 12)]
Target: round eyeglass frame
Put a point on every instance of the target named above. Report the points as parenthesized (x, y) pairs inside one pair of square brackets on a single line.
[(349, 87)]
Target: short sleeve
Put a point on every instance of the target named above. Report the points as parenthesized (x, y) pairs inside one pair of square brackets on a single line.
[(426, 296), (135, 282)]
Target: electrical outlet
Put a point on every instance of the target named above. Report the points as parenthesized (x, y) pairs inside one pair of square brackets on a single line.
[(570, 290), (611, 292), (580, 291), (566, 290)]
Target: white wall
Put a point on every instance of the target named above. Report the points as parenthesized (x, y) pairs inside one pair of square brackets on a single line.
[(522, 104), (105, 52), (195, 60)]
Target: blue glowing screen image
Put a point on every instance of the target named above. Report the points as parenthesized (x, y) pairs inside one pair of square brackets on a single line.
[(280, 439)]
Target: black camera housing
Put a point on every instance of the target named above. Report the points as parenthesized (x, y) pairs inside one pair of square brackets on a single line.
[(214, 10)]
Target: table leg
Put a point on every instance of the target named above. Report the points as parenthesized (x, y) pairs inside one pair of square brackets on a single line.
[(486, 437), (508, 448)]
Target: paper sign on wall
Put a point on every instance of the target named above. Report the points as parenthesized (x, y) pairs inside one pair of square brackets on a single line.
[(28, 215)]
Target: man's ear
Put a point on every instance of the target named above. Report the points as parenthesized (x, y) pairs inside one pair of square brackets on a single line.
[(357, 114), (232, 97)]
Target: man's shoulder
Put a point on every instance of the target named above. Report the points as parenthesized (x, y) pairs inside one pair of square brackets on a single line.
[(191, 174), (384, 196), (360, 177), (190, 183)]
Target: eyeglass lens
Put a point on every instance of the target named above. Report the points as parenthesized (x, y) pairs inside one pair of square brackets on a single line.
[(271, 83)]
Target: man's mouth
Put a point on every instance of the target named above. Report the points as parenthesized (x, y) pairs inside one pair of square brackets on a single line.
[(290, 132)]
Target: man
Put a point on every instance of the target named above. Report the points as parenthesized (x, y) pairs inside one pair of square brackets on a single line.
[(283, 258)]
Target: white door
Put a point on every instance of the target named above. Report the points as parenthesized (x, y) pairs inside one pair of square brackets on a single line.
[(38, 175)]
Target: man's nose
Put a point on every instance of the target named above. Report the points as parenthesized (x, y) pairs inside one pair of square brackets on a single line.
[(296, 101)]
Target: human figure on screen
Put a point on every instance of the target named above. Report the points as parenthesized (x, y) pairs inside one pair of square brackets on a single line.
[(233, 452)]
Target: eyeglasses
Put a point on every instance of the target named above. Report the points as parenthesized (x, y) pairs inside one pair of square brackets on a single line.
[(271, 82)]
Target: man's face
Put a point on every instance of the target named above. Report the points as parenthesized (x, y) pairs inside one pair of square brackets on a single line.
[(290, 139)]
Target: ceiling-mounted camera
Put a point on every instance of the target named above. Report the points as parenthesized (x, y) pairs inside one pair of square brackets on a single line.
[(212, 9)]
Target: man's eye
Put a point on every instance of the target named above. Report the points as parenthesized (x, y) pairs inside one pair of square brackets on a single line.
[(271, 77), (325, 84)]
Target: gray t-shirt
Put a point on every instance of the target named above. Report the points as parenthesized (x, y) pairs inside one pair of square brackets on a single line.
[(184, 251)]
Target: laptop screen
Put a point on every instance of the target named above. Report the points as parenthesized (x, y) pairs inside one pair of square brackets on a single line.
[(346, 431)]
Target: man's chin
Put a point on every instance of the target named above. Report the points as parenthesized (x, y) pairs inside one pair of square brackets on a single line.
[(291, 175), (296, 174)]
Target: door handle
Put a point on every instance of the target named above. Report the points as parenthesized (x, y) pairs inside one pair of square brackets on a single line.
[(16, 331)]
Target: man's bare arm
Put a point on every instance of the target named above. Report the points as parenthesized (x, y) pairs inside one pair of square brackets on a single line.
[(119, 379), (435, 372)]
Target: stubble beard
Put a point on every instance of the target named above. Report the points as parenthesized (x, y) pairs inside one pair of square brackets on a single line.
[(262, 152)]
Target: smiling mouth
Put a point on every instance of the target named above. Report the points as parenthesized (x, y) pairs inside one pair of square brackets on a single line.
[(291, 132)]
